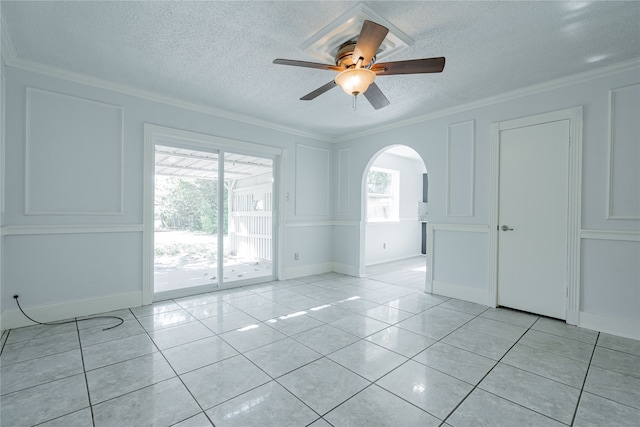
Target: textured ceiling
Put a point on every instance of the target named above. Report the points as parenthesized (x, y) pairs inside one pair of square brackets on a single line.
[(219, 54)]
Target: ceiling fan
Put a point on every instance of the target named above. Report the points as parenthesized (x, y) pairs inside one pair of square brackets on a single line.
[(355, 63)]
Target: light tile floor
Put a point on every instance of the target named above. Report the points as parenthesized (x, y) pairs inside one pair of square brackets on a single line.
[(325, 350)]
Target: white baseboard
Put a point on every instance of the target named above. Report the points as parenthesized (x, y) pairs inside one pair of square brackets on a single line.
[(349, 270), (394, 259), (627, 328), (13, 318), (308, 270), (465, 293)]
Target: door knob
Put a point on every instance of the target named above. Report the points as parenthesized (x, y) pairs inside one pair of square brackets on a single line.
[(506, 228)]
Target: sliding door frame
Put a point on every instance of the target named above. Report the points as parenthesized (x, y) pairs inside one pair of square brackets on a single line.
[(154, 135)]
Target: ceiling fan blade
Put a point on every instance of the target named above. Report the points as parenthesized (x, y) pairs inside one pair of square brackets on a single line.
[(413, 66), (375, 96), (306, 64), (319, 91), (369, 40)]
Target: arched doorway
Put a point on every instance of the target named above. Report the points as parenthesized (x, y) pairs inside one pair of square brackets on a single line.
[(392, 236)]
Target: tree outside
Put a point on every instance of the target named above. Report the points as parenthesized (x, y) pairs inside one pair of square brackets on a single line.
[(186, 229), (188, 205)]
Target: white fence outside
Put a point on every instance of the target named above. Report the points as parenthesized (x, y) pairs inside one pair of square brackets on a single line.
[(250, 223)]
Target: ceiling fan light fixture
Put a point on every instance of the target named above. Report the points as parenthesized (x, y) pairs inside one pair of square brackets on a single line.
[(355, 81)]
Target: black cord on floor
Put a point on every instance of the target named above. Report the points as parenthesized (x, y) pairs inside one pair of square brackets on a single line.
[(70, 321)]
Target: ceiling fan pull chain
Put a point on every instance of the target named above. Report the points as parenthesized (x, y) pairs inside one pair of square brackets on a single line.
[(355, 107)]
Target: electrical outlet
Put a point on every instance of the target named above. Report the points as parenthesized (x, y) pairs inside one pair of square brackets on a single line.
[(296, 256), (384, 246)]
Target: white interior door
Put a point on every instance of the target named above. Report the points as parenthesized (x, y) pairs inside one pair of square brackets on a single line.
[(532, 218)]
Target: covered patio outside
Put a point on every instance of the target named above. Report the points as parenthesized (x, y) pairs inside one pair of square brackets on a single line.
[(187, 222)]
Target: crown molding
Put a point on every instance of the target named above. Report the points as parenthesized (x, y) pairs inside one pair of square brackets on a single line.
[(506, 96), (12, 60)]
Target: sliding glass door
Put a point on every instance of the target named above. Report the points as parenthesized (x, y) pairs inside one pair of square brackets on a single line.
[(212, 219)]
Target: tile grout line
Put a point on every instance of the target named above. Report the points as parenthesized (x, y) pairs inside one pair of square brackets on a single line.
[(133, 358), (174, 371), (475, 386), (45, 382), (37, 357), (586, 375), (48, 382), (359, 339), (86, 380), (145, 332), (371, 383), (412, 359), (324, 356), (275, 379), (239, 354), (397, 367), (3, 339), (500, 360)]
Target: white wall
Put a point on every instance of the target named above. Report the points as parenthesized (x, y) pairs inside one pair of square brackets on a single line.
[(73, 229), (309, 232), (389, 241), (459, 208), (322, 215)]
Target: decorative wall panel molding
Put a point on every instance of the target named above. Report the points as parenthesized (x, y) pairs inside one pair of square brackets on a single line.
[(631, 236), (53, 268), (344, 190), (323, 224), (312, 181), (392, 223), (468, 228), (611, 263), (437, 285), (461, 169), (73, 158), (23, 230), (624, 153)]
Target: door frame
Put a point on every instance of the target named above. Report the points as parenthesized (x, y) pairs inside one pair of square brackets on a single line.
[(574, 115), (153, 135)]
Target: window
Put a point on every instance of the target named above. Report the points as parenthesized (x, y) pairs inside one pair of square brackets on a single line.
[(383, 195)]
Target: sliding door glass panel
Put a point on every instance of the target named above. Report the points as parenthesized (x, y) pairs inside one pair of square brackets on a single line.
[(185, 219), (248, 201)]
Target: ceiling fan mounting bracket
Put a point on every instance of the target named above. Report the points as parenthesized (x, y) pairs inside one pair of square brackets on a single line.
[(344, 56), (325, 43)]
